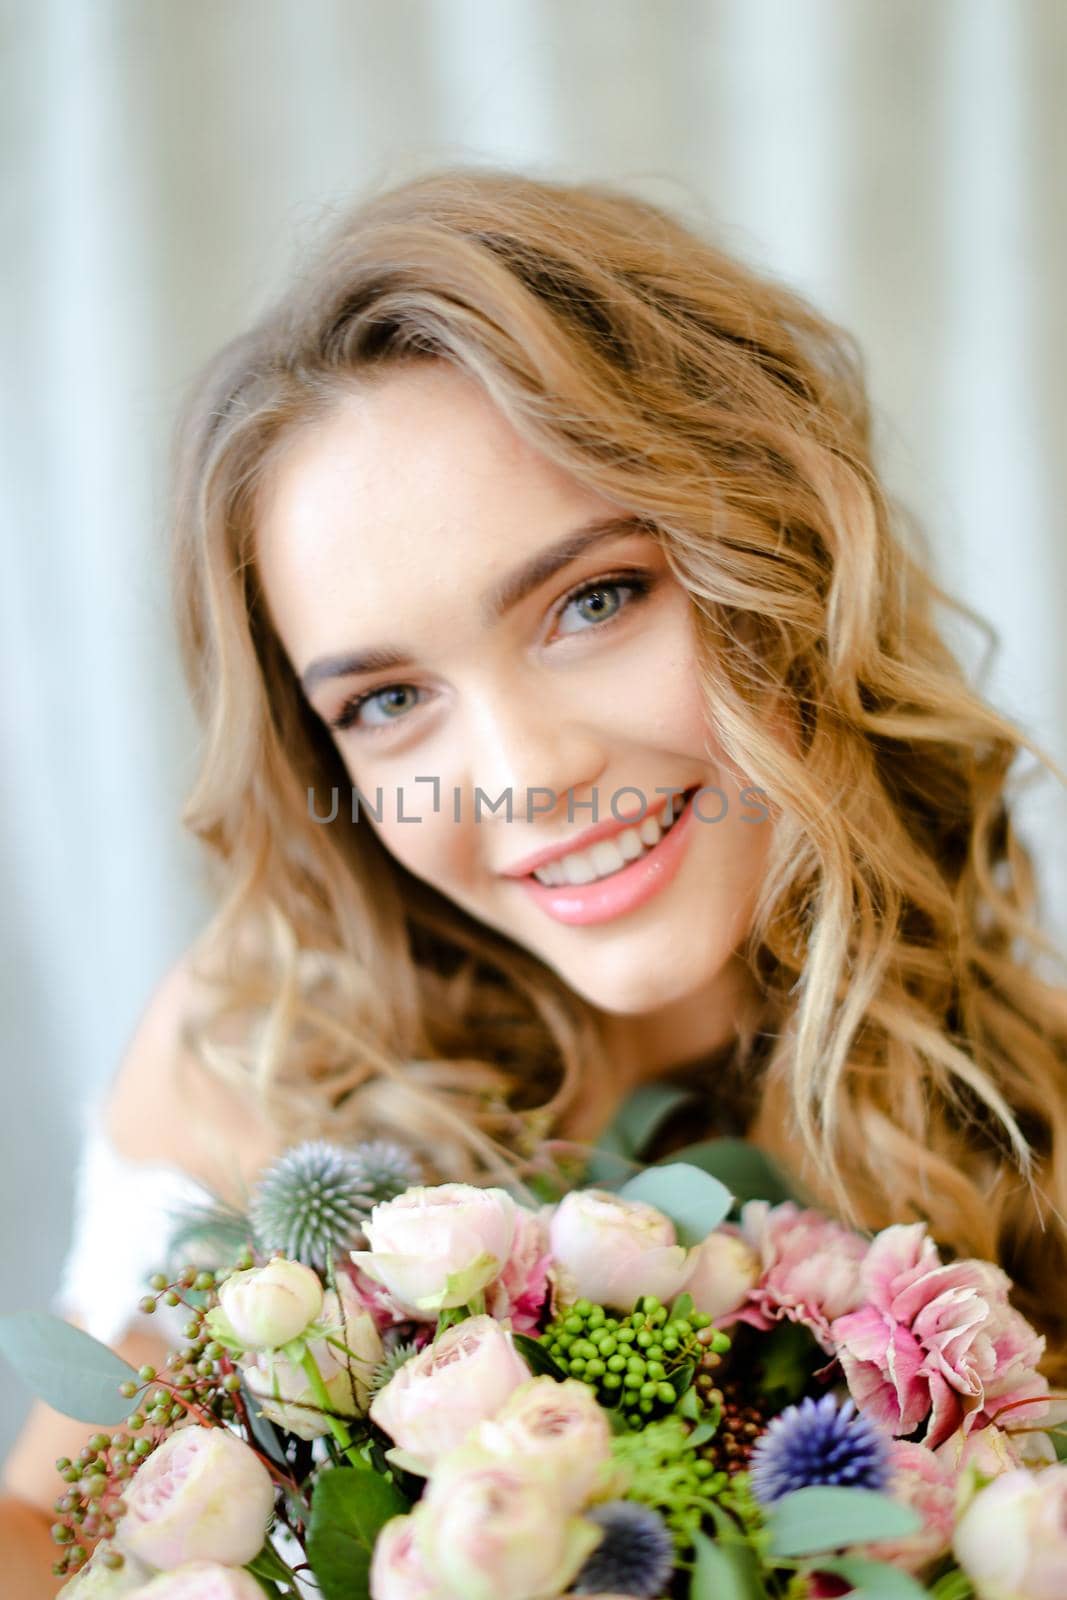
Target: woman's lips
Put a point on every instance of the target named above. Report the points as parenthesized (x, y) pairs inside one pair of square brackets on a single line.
[(623, 891)]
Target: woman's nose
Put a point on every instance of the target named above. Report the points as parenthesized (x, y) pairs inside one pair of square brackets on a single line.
[(528, 748)]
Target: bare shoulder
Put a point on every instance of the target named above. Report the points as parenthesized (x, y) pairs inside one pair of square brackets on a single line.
[(166, 1104)]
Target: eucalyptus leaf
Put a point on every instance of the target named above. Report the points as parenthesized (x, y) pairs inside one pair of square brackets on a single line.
[(348, 1510), (819, 1518), (263, 1431), (724, 1572), (641, 1117), (693, 1200), (876, 1580), (66, 1367), (742, 1167)]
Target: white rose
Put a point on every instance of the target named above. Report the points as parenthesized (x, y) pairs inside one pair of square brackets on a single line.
[(268, 1306), (283, 1389), (434, 1248), (724, 1270)]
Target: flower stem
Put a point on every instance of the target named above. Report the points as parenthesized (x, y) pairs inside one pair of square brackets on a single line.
[(318, 1389)]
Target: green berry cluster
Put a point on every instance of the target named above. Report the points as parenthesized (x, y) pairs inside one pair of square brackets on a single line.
[(634, 1363), (198, 1378), (667, 1474)]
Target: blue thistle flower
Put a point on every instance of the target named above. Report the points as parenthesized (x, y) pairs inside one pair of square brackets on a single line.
[(819, 1442), (635, 1556), (312, 1202)]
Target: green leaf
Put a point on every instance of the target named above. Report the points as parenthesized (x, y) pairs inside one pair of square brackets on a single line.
[(745, 1170), (827, 1518), (69, 1369), (788, 1356), (694, 1201), (537, 1357), (875, 1580), (272, 1570), (724, 1572), (640, 1118), (348, 1510), (954, 1585)]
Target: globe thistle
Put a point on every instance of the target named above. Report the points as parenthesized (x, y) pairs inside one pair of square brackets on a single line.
[(391, 1363), (635, 1556), (819, 1442), (312, 1203)]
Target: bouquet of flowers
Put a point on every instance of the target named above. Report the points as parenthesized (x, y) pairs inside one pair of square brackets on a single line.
[(411, 1392)]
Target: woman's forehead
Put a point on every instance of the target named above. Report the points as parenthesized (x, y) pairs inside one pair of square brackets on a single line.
[(415, 485)]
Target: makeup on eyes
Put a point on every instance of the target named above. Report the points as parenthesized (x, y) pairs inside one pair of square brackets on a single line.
[(639, 584)]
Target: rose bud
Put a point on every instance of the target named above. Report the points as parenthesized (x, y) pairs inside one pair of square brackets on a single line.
[(1011, 1541), (433, 1248), (430, 1405), (282, 1389), (612, 1251), (724, 1270), (492, 1530), (557, 1428), (397, 1570), (202, 1580), (267, 1306), (202, 1495)]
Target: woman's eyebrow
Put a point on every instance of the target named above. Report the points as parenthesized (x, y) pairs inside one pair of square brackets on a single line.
[(504, 595)]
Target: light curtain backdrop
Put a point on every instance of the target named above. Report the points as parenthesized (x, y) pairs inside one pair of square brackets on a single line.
[(166, 162)]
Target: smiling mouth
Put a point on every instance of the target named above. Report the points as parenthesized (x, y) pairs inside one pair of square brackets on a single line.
[(609, 856)]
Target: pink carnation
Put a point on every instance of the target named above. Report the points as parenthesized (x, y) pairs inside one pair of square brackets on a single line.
[(927, 1483), (937, 1343), (519, 1292), (810, 1267)]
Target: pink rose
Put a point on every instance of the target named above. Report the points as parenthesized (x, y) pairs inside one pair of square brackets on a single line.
[(202, 1495), (1011, 1541), (809, 1268), (558, 1428), (926, 1483), (437, 1247), (518, 1295), (613, 1251), (202, 1580), (397, 1569), (433, 1401), (492, 1530), (937, 1343)]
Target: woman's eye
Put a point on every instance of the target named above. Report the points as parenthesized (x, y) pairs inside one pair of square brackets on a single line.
[(599, 603), (596, 605), (353, 710)]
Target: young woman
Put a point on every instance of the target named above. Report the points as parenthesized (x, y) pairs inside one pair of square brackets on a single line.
[(575, 715)]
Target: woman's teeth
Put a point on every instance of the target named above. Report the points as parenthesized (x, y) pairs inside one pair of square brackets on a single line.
[(609, 856)]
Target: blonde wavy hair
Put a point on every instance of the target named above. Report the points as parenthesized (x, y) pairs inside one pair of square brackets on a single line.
[(917, 1063)]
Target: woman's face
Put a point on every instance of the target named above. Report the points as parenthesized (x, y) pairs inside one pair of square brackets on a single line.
[(417, 522)]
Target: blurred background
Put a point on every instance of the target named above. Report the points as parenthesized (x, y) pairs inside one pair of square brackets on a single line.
[(165, 167)]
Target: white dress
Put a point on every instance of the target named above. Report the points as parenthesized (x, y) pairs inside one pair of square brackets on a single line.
[(124, 1215)]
